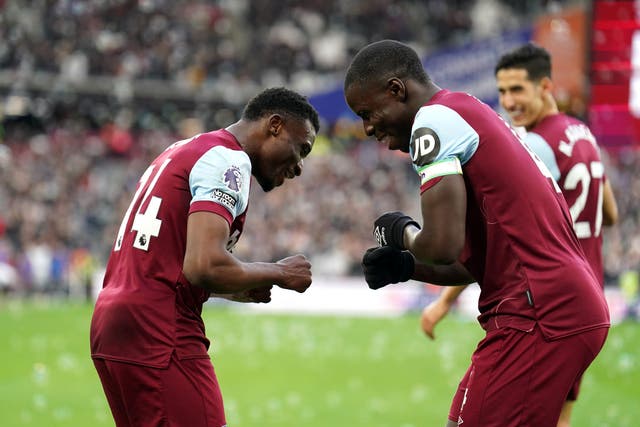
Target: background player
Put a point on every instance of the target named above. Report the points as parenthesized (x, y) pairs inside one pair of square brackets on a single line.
[(502, 224), (568, 149), (172, 253)]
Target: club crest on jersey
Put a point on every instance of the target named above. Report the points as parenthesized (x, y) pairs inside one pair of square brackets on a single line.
[(425, 146), (233, 178)]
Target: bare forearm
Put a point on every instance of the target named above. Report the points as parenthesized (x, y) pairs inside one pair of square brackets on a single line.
[(450, 294), (425, 249), (208, 264), (234, 276), (444, 275)]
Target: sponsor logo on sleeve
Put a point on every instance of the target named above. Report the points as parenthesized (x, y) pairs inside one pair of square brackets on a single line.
[(425, 146), (224, 198), (232, 177)]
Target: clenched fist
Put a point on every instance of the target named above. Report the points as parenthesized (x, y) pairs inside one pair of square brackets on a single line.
[(296, 273), (385, 265)]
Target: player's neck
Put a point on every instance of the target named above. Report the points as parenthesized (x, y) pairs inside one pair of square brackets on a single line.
[(239, 131)]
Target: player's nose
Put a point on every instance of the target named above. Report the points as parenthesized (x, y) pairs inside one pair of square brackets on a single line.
[(507, 101)]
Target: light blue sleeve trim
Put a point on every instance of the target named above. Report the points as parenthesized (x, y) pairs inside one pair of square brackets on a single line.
[(457, 137), (544, 151), (209, 179)]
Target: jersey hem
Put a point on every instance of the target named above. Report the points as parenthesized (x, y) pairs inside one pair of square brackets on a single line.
[(131, 361), (555, 337)]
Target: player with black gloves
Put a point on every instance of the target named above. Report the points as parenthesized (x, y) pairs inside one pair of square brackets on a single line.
[(491, 213), (391, 263)]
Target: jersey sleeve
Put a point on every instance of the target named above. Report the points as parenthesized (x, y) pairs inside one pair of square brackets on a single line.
[(441, 142), (544, 151), (219, 182)]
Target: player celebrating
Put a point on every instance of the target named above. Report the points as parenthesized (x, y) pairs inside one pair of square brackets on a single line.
[(172, 253), (492, 214), (565, 144), (568, 149)]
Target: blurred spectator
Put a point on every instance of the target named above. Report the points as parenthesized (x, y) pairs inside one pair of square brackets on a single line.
[(199, 44)]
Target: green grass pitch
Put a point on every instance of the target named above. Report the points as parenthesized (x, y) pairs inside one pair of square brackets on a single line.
[(290, 371)]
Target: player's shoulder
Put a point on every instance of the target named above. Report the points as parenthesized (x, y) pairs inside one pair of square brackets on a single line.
[(440, 118), (568, 118), (561, 121), (440, 132), (566, 127), (453, 100), (444, 107), (219, 144), (217, 138), (461, 105)]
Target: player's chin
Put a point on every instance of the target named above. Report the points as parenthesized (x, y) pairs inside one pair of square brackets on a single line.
[(397, 145), (278, 181), (518, 120), (267, 184)]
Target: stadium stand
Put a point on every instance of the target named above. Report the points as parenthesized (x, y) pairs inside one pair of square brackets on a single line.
[(91, 91)]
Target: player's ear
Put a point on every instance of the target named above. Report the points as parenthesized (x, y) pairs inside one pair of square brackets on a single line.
[(546, 84), (546, 88), (275, 124), (396, 88)]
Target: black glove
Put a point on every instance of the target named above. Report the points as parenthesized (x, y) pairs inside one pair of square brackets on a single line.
[(388, 230), (385, 265)]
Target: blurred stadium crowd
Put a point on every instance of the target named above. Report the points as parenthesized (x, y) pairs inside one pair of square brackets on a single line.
[(91, 91)]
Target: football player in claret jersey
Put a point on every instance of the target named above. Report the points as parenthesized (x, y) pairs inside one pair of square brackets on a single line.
[(570, 152), (492, 214), (172, 253)]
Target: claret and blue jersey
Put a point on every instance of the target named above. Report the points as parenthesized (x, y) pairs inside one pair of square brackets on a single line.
[(568, 147), (147, 309), (519, 242)]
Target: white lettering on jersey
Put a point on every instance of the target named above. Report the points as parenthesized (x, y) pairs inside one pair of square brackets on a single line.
[(575, 133), (581, 174)]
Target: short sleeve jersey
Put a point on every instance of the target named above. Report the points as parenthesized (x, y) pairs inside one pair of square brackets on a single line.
[(519, 243), (568, 147), (147, 309)]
